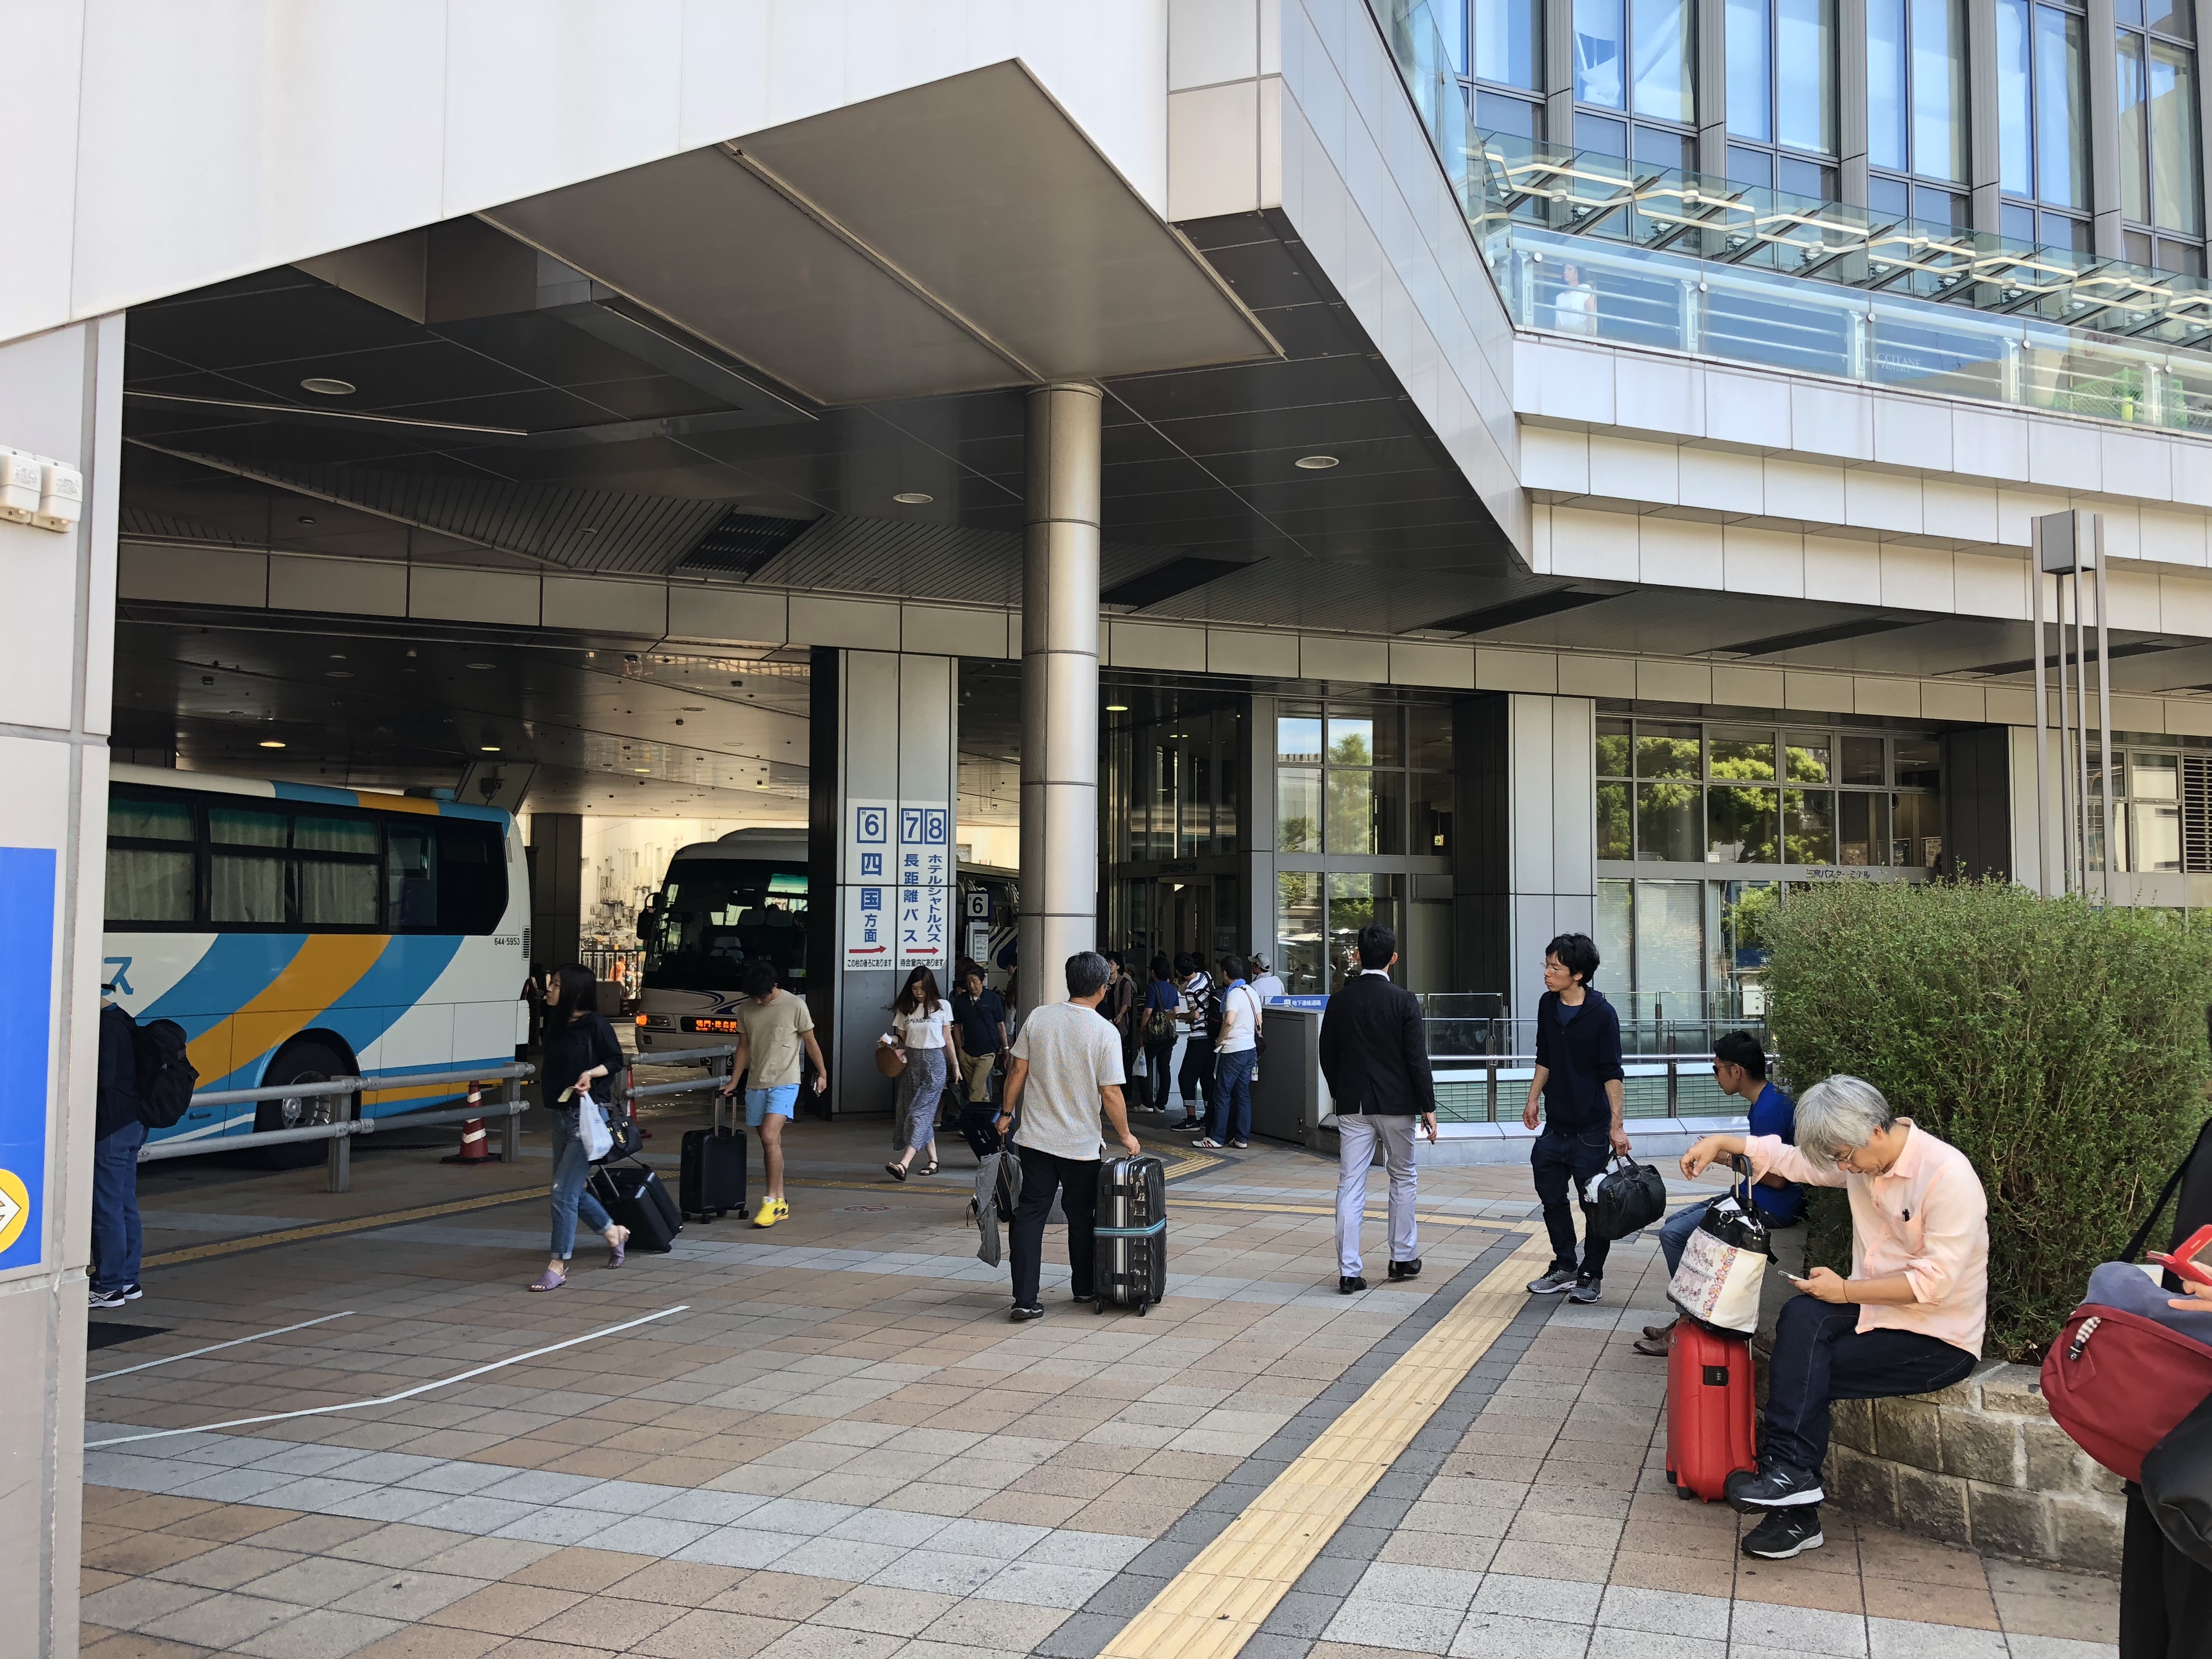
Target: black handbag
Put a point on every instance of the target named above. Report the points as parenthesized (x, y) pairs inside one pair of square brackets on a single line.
[(623, 1131), (1628, 1197), (2177, 1485)]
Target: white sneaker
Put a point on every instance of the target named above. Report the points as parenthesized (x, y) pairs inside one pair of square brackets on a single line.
[(107, 1299)]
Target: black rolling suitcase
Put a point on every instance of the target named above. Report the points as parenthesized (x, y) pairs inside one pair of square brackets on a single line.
[(712, 1180), (636, 1198), (1132, 1263)]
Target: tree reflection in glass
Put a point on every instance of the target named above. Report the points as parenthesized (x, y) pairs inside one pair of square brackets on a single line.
[(1742, 824)]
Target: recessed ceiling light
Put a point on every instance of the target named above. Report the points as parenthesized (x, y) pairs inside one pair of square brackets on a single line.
[(491, 749), (324, 386), (912, 498), (640, 768), (483, 665), (338, 673), (270, 743), (306, 521), (1117, 708), (1315, 463), (338, 656)]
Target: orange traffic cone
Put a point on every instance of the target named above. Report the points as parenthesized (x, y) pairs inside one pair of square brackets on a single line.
[(476, 1145)]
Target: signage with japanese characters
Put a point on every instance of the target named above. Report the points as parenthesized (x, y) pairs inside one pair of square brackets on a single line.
[(927, 882)]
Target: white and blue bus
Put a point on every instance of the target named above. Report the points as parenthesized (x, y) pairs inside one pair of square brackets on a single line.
[(298, 933)]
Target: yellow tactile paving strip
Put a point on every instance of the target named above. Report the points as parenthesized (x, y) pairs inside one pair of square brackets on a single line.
[(1219, 1602)]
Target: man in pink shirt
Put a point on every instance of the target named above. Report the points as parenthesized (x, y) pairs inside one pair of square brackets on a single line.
[(1910, 1318)]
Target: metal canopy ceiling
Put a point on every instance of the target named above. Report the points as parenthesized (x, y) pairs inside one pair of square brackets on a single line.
[(960, 235)]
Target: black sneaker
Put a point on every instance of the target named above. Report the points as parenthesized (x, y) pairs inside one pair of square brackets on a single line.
[(1558, 1279), (105, 1299), (1785, 1533), (133, 1292), (1350, 1283), (1586, 1289), (1775, 1487), (1194, 1126), (1406, 1269), (1019, 1313)]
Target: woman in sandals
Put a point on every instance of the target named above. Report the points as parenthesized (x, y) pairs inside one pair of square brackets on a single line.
[(921, 1024), (580, 1053)]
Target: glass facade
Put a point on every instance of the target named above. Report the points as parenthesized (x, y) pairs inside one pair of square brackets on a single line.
[(1796, 802), (1634, 81), (1363, 832)]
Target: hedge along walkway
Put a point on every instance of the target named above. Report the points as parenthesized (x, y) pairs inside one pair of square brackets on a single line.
[(1219, 1602)]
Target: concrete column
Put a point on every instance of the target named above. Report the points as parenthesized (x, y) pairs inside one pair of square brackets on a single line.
[(886, 758), (556, 887), (1059, 689), (61, 396)]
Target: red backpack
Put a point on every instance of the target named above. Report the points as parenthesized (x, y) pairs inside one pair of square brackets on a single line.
[(2126, 1367)]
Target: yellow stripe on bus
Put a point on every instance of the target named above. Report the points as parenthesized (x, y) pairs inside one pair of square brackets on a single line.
[(327, 966)]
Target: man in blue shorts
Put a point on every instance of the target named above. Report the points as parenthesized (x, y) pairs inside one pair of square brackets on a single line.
[(774, 1031)]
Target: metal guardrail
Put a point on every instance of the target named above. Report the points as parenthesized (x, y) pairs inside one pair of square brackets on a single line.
[(718, 1071), (340, 1132), (1637, 1066)]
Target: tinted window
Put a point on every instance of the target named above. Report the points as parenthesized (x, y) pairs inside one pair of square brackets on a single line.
[(471, 876)]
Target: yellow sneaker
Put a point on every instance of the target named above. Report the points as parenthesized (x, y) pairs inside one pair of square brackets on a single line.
[(782, 1211), (768, 1213)]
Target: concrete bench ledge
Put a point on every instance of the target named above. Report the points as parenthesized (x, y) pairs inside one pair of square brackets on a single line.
[(1981, 1465)]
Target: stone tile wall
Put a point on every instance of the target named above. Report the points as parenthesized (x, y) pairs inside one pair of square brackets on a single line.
[(1980, 1464)]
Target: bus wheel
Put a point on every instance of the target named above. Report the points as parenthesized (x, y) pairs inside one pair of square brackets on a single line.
[(301, 1062)]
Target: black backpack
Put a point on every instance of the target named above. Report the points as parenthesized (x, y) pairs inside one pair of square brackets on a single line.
[(166, 1077)]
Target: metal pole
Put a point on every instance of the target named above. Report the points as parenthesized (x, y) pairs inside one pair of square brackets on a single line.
[(2081, 713), (1490, 1090), (2104, 702), (339, 1165), (510, 1132), (2065, 759), (2042, 725)]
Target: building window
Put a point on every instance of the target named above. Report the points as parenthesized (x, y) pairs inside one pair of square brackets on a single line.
[(1508, 43), (2160, 187), (1917, 108), (2043, 122), (1781, 92), (1363, 780), (1638, 58), (1680, 793)]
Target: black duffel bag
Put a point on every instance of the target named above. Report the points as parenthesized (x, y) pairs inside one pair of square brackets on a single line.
[(1628, 1197)]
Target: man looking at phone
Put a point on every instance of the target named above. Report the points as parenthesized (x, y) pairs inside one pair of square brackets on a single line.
[(1910, 1318), (1577, 1086), (1740, 1069)]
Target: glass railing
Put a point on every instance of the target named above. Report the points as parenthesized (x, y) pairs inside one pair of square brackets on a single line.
[(1596, 246)]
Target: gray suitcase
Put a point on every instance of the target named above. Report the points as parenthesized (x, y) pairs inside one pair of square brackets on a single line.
[(1130, 1269)]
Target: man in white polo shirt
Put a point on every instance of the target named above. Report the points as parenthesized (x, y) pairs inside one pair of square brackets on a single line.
[(1065, 1072)]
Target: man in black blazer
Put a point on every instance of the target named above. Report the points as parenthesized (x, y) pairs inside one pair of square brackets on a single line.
[(1375, 1056)]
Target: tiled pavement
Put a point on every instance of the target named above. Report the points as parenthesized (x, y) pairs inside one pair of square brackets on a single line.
[(841, 1449)]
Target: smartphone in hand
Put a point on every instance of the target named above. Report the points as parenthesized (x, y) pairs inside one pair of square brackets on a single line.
[(2183, 1261)]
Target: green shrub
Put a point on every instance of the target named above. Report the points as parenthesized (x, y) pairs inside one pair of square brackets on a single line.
[(2061, 1047)]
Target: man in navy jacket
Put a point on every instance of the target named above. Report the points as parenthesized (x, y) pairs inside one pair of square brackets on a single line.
[(1577, 1094)]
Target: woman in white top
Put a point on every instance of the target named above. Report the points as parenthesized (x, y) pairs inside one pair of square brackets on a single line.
[(921, 1024), (1574, 309)]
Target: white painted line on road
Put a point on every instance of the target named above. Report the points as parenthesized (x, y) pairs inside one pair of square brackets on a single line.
[(171, 1359), (393, 1399)]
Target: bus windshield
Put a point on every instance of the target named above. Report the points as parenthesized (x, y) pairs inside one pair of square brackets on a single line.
[(715, 914)]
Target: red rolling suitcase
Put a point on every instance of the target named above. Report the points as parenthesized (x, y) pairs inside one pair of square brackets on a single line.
[(1709, 1411)]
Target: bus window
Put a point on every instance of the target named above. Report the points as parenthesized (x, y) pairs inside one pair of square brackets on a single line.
[(247, 887), (410, 877), (717, 913), (149, 881), (471, 876), (337, 872)]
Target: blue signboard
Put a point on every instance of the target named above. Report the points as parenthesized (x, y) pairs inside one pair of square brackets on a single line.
[(26, 923)]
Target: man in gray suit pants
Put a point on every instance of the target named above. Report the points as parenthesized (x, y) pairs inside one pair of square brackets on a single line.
[(1375, 1056)]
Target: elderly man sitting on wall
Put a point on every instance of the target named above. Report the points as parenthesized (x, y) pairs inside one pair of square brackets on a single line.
[(1910, 1318)]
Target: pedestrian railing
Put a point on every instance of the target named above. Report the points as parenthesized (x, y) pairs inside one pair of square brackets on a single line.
[(341, 1131), (1482, 1088)]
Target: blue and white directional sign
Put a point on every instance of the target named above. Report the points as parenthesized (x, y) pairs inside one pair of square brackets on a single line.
[(926, 889)]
